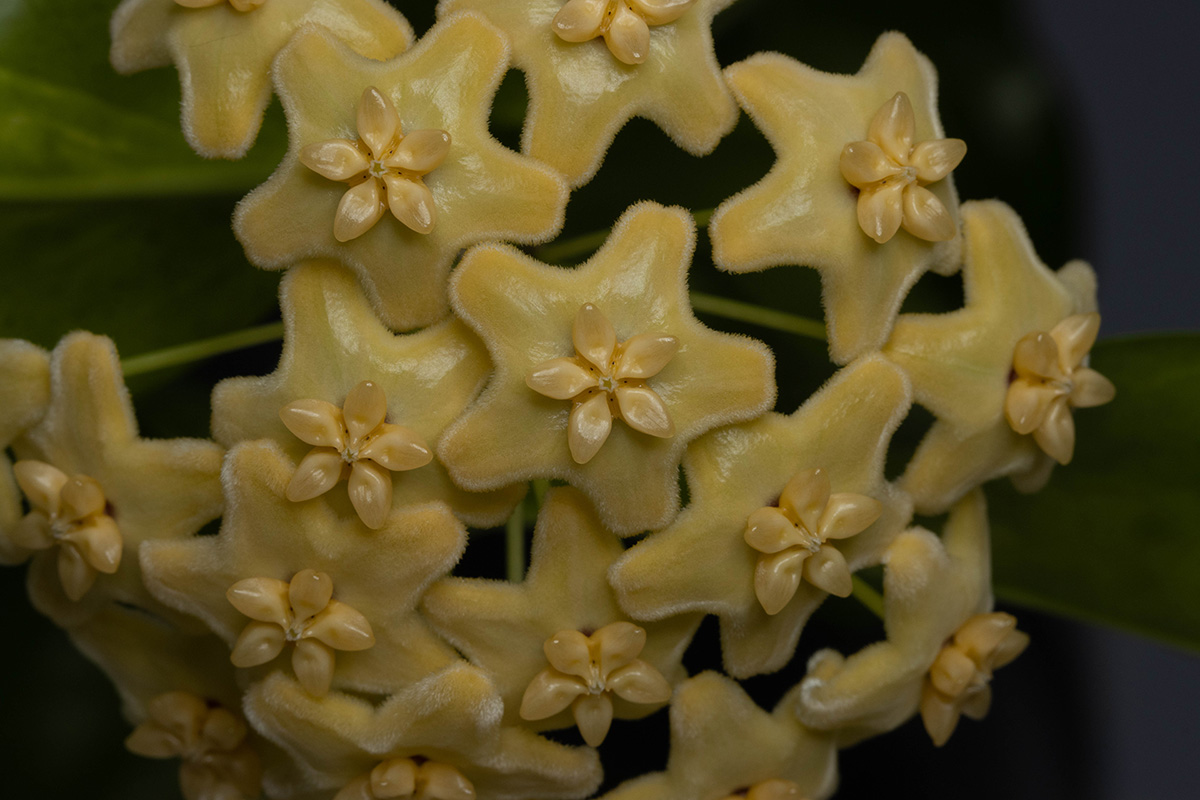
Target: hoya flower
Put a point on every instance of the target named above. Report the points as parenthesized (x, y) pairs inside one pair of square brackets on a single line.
[(708, 559), (332, 342), (24, 395), (962, 363), (224, 50), (581, 93), (804, 213)]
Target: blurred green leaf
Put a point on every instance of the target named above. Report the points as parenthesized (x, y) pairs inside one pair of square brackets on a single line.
[(1115, 537), (70, 127)]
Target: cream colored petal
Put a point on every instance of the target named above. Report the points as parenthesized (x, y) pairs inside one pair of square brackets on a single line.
[(258, 643), (644, 355), (660, 12), (317, 473), (396, 777), (568, 652), (1056, 434), (864, 164), (952, 672), (342, 628), (315, 422), (893, 128), (222, 730), (980, 635), (41, 483), (977, 704), (643, 410), (805, 496), (827, 570), (1036, 356), (627, 37), (593, 714), (371, 493), (358, 211), (939, 715), (925, 216), (313, 664), (309, 591), (777, 577), (550, 692), (397, 448), (359, 789), (1026, 404), (848, 514), (639, 682), (560, 378), (378, 122), (769, 531), (32, 532), (619, 644), (421, 151), (881, 210), (594, 337), (76, 574), (411, 202), (775, 789), (588, 427), (579, 20), (444, 782), (364, 410), (198, 3), (151, 741), (246, 5), (1009, 648), (262, 599), (80, 497), (937, 158), (1091, 388), (181, 713), (99, 543), (1075, 336), (336, 159)]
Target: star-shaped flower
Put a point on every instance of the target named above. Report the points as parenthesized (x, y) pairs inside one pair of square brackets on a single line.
[(961, 363), (702, 561), (805, 213), (513, 629), (24, 395), (525, 311), (224, 53), (442, 737), (724, 746), (332, 342), (580, 95), (933, 592), (146, 489), (379, 574), (482, 190)]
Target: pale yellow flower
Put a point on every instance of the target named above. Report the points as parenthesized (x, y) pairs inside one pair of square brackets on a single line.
[(24, 395)]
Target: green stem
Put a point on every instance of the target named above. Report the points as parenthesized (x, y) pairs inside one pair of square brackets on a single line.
[(757, 315), (571, 249), (865, 593), (205, 348), (514, 541)]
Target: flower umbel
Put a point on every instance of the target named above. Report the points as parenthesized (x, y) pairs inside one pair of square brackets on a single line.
[(352, 442), (890, 173), (1051, 379), (584, 672), (383, 167), (606, 380), (70, 512), (792, 538), (624, 24), (303, 612)]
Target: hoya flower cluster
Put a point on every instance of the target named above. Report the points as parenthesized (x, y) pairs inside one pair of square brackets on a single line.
[(320, 645)]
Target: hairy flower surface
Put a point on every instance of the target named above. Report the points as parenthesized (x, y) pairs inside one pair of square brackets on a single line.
[(332, 342), (507, 629), (804, 213), (580, 95), (931, 587), (723, 745), (24, 396), (961, 363), (525, 312), (702, 562), (623, 24), (217, 763), (482, 190), (380, 574), (451, 719), (224, 53)]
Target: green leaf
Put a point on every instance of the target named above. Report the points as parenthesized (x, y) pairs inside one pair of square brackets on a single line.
[(70, 127), (1115, 537)]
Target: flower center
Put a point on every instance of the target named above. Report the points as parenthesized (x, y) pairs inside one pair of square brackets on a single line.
[(377, 169), (606, 383)]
